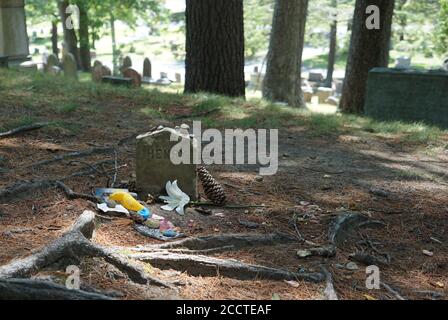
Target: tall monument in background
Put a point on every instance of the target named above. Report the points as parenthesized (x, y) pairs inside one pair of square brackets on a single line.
[(13, 34)]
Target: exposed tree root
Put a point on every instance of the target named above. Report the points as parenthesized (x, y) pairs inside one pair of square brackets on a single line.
[(392, 291), (75, 244), (207, 266), (330, 292), (21, 187), (22, 129), (26, 289), (345, 223), (73, 155), (236, 241)]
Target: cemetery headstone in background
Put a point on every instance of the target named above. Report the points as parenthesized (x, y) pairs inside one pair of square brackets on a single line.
[(134, 75), (409, 95), (70, 66), (99, 71), (147, 68), (154, 166), (127, 63), (52, 61), (324, 93)]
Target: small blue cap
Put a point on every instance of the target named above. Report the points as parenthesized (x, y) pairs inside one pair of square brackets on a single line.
[(145, 213)]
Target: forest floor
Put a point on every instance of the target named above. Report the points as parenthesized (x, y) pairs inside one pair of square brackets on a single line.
[(329, 164)]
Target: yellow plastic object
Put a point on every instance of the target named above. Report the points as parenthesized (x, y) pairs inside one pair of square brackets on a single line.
[(127, 201)]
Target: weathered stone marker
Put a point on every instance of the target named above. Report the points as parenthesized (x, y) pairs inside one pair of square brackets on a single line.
[(99, 71), (155, 168), (52, 61), (134, 75), (13, 33), (127, 63), (70, 66), (147, 68)]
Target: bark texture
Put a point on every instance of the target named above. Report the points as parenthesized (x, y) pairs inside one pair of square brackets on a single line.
[(284, 62), (368, 49), (215, 47), (333, 47), (84, 43), (54, 38), (70, 38)]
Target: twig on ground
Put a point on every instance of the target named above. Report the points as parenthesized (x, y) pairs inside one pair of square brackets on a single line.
[(21, 129), (74, 195)]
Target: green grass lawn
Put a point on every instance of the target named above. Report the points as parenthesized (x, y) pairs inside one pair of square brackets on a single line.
[(36, 93)]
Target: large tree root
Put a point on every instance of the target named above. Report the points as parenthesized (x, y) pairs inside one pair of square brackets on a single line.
[(22, 129), (26, 289), (75, 244), (208, 266), (237, 241), (346, 223)]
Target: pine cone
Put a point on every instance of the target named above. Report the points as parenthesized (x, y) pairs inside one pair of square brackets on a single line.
[(213, 190)]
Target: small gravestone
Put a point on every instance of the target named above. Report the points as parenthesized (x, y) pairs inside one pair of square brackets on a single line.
[(178, 77), (147, 68), (70, 67), (323, 94), (52, 61), (100, 71), (97, 63), (315, 77), (134, 75), (403, 63), (127, 63), (154, 165)]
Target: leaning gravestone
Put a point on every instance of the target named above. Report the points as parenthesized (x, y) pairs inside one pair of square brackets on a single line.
[(100, 71), (155, 168), (70, 67), (147, 68), (134, 75), (97, 63), (52, 61)]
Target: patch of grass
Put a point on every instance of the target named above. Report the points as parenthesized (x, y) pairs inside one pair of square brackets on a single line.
[(21, 121), (66, 108)]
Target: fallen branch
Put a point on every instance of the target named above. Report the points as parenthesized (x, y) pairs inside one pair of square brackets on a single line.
[(197, 265), (22, 129), (26, 289)]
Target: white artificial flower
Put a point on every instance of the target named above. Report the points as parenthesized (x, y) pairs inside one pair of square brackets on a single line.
[(176, 199)]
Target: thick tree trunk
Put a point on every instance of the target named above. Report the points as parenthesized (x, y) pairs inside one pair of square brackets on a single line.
[(284, 62), (84, 44), (114, 44), (333, 47), (54, 37), (70, 38), (368, 49), (215, 47)]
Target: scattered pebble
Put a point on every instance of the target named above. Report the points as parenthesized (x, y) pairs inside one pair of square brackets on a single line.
[(351, 266), (293, 284), (259, 178), (220, 215), (428, 253), (249, 224)]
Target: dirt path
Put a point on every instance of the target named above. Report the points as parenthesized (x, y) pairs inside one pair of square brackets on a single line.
[(318, 178)]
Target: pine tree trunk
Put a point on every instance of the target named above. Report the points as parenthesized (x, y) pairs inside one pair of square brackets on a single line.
[(215, 47), (54, 37), (333, 48), (284, 62), (368, 49), (84, 44), (114, 44), (70, 38)]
